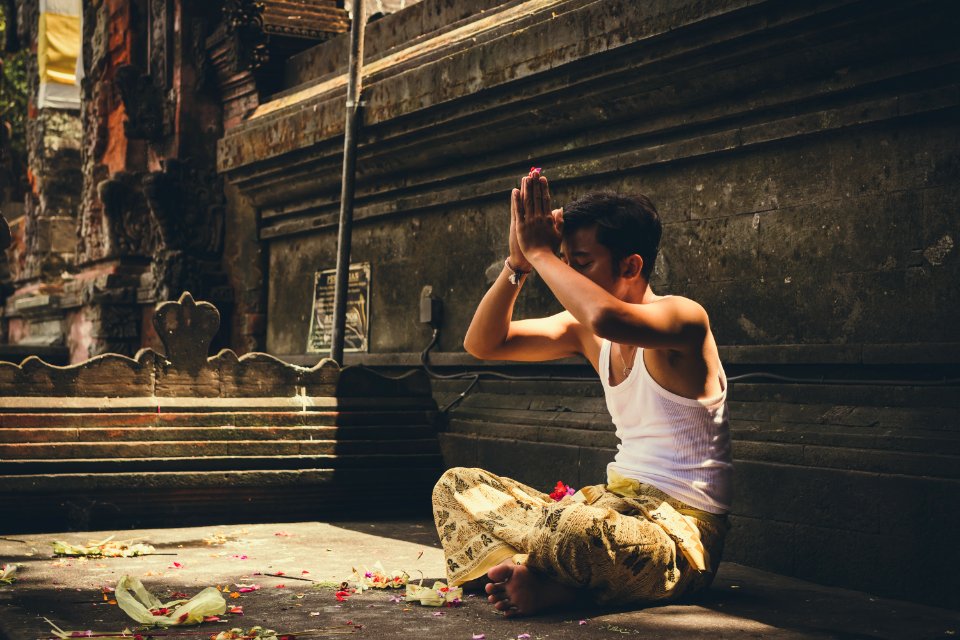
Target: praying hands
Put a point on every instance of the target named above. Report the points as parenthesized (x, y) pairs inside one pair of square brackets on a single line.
[(534, 227)]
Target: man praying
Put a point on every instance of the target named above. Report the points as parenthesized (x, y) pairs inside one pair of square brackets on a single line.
[(655, 530)]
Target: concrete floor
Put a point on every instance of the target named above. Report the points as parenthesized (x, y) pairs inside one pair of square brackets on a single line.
[(743, 603)]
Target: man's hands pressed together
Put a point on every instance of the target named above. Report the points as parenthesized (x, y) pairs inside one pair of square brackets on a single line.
[(534, 227)]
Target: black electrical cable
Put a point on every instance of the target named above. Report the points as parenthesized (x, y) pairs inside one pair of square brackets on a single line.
[(463, 394)]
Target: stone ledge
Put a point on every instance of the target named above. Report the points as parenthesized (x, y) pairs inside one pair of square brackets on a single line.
[(180, 404), (780, 354)]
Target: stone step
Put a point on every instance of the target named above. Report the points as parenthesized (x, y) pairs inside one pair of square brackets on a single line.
[(539, 402), (874, 461), (83, 420), (927, 418), (916, 441), (591, 413), (109, 501), (841, 449), (495, 415), (372, 462), (201, 480), (96, 434), (560, 431), (867, 395), (192, 448), (550, 433), (908, 396)]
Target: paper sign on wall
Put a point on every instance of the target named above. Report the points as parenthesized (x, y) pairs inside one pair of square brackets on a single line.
[(357, 326)]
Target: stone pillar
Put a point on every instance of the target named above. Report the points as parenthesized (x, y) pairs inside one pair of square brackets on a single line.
[(46, 231), (151, 221)]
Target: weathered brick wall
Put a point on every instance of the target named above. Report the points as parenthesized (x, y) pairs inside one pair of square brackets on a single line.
[(805, 160), (46, 239), (130, 210)]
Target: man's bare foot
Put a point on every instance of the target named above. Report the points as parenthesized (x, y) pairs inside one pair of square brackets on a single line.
[(518, 591)]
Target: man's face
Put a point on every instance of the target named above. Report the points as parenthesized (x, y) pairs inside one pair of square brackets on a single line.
[(581, 251)]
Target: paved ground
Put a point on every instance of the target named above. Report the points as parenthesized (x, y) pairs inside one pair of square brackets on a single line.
[(744, 603)]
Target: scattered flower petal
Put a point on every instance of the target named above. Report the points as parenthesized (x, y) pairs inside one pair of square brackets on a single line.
[(561, 491)]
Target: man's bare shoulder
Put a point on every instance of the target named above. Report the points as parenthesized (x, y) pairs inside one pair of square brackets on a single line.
[(680, 316), (688, 308)]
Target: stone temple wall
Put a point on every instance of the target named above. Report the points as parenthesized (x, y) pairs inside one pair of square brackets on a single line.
[(805, 160)]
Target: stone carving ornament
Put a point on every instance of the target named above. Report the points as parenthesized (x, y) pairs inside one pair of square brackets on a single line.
[(244, 20), (144, 104)]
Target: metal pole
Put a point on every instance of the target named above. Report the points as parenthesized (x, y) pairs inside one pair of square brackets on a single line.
[(348, 179)]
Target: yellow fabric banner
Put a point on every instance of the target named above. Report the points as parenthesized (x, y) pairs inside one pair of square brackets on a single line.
[(58, 48)]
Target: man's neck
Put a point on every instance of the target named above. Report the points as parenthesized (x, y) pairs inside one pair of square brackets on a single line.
[(640, 293)]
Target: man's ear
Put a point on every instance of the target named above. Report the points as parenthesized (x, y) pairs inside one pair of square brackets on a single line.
[(631, 266)]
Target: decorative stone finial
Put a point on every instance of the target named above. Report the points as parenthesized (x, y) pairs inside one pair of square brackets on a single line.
[(186, 329)]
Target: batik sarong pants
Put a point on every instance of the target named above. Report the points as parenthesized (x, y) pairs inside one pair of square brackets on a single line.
[(632, 546)]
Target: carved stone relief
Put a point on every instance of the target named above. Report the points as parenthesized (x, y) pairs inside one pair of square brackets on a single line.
[(131, 231), (148, 115)]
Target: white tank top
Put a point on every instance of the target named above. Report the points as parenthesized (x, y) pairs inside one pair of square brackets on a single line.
[(679, 445)]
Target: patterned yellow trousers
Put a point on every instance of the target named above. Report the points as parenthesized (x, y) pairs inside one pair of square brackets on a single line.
[(621, 549)]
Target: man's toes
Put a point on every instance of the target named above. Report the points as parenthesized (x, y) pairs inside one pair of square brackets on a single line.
[(494, 588), (501, 572), (503, 605)]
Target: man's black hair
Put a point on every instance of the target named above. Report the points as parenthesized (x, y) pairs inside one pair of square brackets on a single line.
[(626, 224)]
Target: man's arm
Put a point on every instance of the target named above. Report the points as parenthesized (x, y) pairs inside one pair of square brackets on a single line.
[(670, 323), (493, 335)]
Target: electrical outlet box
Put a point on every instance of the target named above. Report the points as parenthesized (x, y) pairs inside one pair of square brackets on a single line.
[(431, 307)]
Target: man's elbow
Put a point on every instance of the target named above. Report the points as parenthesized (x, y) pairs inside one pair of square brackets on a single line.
[(603, 322), (475, 350)]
